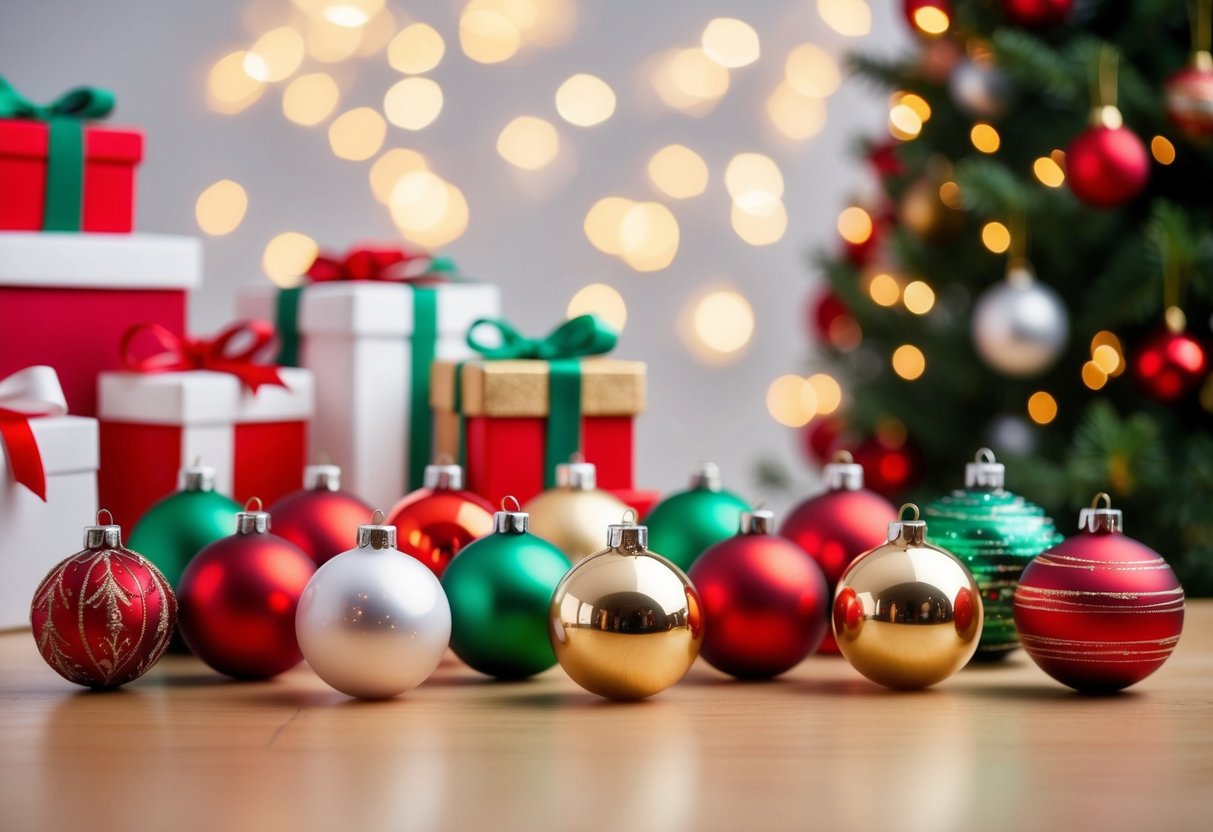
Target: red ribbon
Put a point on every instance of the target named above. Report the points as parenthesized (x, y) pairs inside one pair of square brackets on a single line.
[(30, 393), (216, 354), (370, 263), (23, 455)]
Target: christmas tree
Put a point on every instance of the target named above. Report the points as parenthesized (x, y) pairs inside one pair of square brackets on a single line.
[(1036, 271)]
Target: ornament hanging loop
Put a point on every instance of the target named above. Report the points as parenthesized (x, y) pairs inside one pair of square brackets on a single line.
[(109, 517), (253, 520), (842, 457), (377, 535), (1101, 519), (912, 532), (104, 535), (1104, 91), (628, 535), (511, 520)]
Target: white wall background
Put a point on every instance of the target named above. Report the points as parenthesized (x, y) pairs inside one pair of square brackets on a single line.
[(525, 231)]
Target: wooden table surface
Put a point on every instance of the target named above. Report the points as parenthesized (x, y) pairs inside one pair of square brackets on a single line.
[(992, 748)]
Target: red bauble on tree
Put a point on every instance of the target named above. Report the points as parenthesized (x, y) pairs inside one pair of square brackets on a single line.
[(884, 160), (1099, 611), (1037, 14), (765, 601), (820, 437), (839, 524), (1169, 365), (319, 516), (892, 464), (1107, 167), (238, 599), (104, 616), (434, 522), (824, 311)]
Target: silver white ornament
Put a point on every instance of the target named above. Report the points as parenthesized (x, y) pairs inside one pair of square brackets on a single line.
[(1020, 326), (981, 89), (373, 622)]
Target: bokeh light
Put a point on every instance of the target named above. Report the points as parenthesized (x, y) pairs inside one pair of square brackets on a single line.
[(585, 100), (287, 257), (1048, 172), (985, 138), (601, 300), (357, 134), (428, 210), (754, 182), (1107, 353), (730, 42), (390, 168), (811, 71), (648, 236), (1094, 376), (918, 297), (761, 229), (603, 222), (1042, 407), (884, 289), (528, 142), (1162, 150), (377, 33), (329, 42), (689, 81), (416, 48), (794, 114), (855, 225), (996, 237), (678, 171), (826, 392), (788, 403), (949, 195), (229, 88), (275, 55), (487, 34), (413, 103), (909, 362), (852, 18), (221, 207), (723, 322), (310, 99)]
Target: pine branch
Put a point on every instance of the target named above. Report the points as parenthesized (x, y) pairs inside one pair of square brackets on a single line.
[(989, 189), (1034, 64), (890, 73)]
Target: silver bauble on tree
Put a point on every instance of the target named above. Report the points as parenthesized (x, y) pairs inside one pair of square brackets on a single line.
[(1020, 325), (980, 88)]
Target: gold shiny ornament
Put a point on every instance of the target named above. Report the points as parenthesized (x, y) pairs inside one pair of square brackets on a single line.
[(907, 614), (573, 515), (625, 622)]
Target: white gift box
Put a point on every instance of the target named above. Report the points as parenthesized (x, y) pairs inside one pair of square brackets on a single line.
[(37, 535), (356, 337)]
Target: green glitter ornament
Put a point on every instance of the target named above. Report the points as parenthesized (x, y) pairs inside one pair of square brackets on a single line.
[(499, 587), (996, 534), (686, 523)]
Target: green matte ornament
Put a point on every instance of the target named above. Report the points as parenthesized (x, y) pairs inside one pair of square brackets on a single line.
[(499, 588), (686, 523), (183, 523), (996, 534)]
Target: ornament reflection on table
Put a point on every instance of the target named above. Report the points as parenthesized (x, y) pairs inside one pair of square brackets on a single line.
[(440, 518), (626, 623), (907, 614), (238, 598), (319, 516), (839, 524), (765, 601), (1099, 611), (685, 523), (499, 588), (371, 623), (996, 534), (1020, 326), (104, 616), (572, 515)]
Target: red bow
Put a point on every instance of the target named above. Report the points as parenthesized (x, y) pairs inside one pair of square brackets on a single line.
[(30, 393), (367, 263), (216, 354)]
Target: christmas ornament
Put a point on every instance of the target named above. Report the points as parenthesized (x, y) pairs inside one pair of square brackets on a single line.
[(884, 160), (923, 211), (179, 526), (907, 614), (440, 518), (1188, 96), (1169, 365), (1107, 165), (1037, 14), (996, 534), (1012, 433), (928, 17), (625, 622), (765, 601), (687, 522), (862, 252), (824, 311), (1099, 611), (820, 436), (104, 616), (1020, 326), (838, 525), (318, 518), (980, 88), (499, 588), (573, 515), (238, 598), (893, 464), (371, 623), (937, 59)]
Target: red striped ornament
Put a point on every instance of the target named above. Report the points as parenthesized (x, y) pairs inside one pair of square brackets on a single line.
[(1099, 611)]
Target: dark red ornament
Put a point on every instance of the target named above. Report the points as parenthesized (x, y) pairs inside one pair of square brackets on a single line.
[(884, 159), (1099, 611), (1189, 97), (318, 517), (928, 17), (104, 616), (891, 468), (1170, 365), (937, 59), (838, 525), (1037, 14), (434, 522), (824, 310), (820, 437), (765, 602), (238, 598), (1107, 167)]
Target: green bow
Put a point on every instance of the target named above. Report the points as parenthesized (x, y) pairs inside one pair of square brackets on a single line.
[(65, 146), (561, 348)]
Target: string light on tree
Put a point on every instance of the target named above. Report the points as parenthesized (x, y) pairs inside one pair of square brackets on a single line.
[(1162, 150), (1042, 407), (985, 138), (909, 362), (1048, 172)]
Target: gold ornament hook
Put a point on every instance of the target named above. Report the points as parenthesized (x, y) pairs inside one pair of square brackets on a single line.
[(843, 457), (251, 500), (901, 511), (443, 459), (378, 517), (108, 514), (506, 500), (1105, 497)]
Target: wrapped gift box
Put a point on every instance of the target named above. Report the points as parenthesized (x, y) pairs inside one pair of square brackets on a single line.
[(357, 339), (107, 198), (500, 425), (153, 423), (68, 298), (37, 535)]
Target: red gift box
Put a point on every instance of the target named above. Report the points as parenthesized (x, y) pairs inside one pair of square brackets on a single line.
[(108, 198), (67, 299)]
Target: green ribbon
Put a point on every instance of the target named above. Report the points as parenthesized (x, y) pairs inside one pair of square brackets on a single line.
[(425, 343), (562, 348), (64, 115), (286, 323)]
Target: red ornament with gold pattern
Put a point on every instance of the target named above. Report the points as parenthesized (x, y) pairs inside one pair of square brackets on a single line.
[(1099, 611), (839, 524), (437, 520), (104, 616), (318, 517), (1188, 94)]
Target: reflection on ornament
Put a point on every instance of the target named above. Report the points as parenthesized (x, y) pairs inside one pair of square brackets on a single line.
[(1020, 326), (436, 521)]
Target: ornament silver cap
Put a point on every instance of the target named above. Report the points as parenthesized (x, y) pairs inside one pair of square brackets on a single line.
[(377, 534), (511, 521), (1101, 519), (322, 478), (252, 520), (706, 475), (912, 532), (628, 535), (197, 477), (985, 471), (758, 521), (577, 475), (842, 473), (103, 535), (443, 477)]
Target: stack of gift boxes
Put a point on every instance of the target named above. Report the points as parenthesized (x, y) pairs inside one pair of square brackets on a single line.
[(104, 395)]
